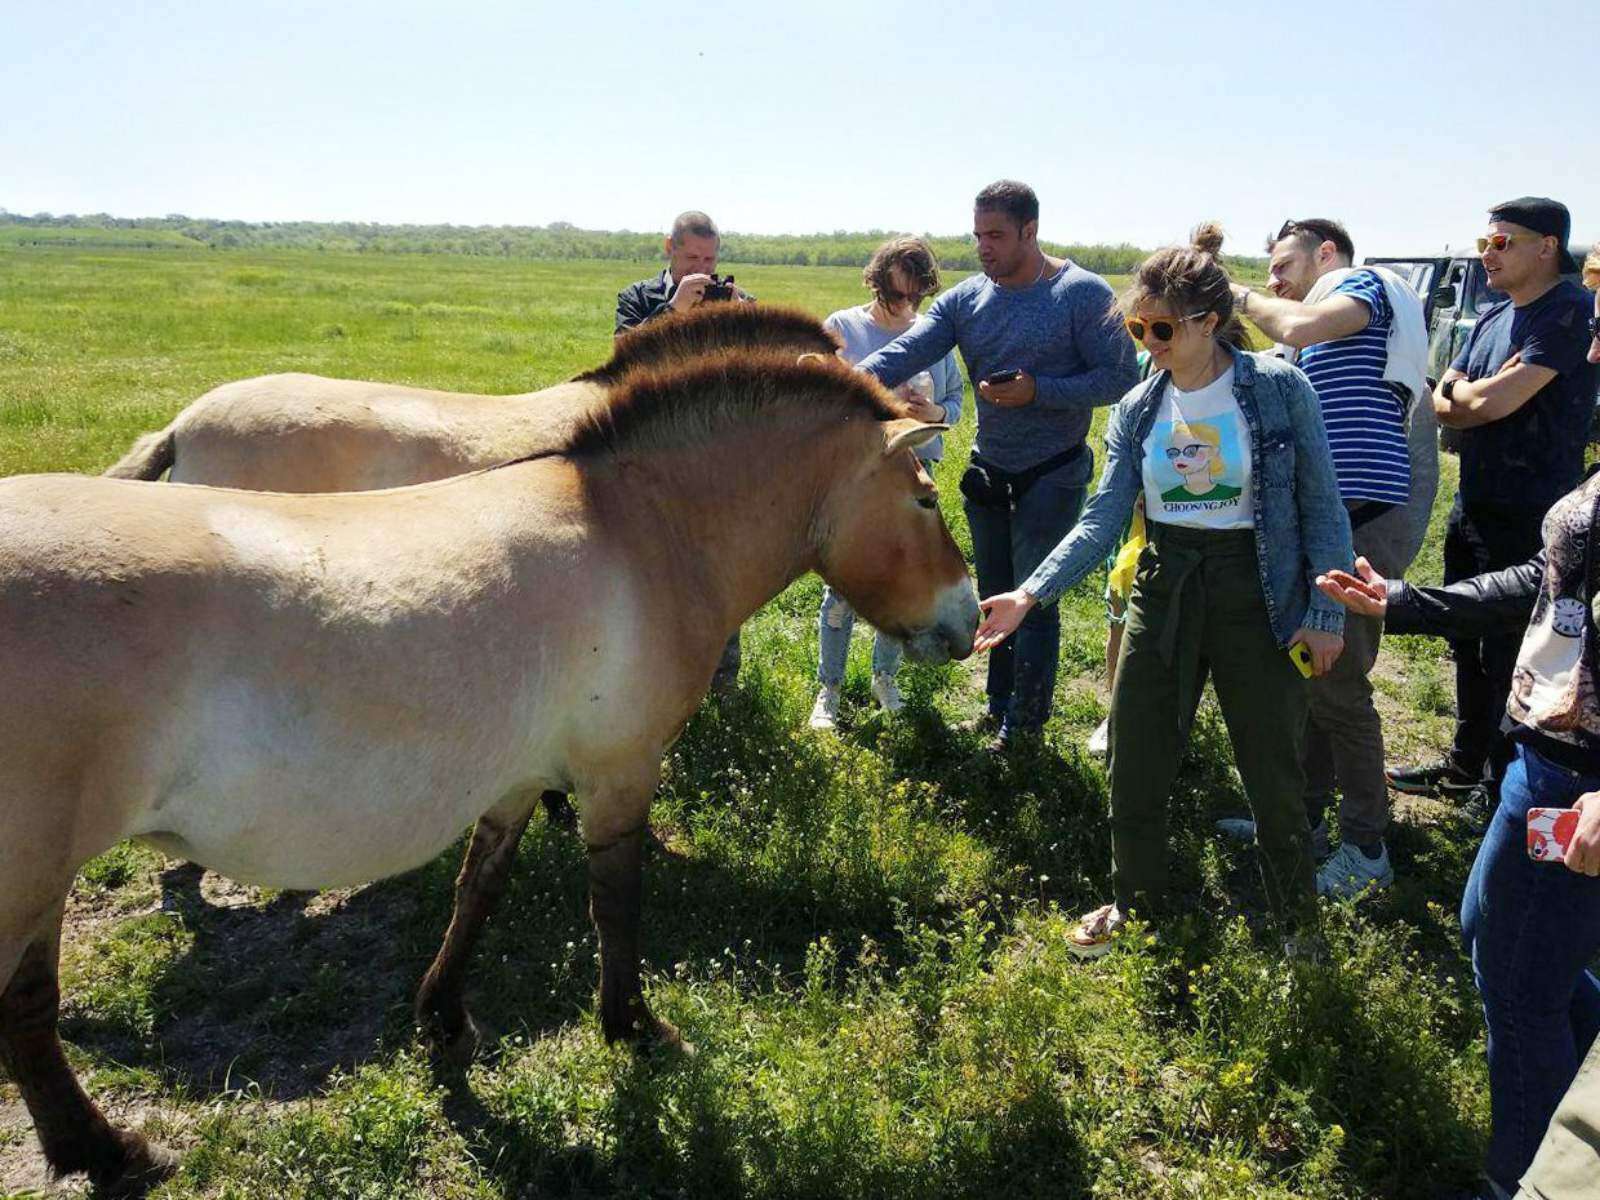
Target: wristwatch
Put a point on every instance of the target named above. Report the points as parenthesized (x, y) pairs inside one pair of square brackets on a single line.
[(1448, 389)]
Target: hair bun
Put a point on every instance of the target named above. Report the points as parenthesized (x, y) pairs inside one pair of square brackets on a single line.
[(1207, 238)]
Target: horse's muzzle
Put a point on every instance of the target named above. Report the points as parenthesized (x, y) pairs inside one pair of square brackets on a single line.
[(950, 636)]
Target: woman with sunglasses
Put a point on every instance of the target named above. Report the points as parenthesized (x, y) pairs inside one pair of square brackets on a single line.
[(901, 274), (1224, 587)]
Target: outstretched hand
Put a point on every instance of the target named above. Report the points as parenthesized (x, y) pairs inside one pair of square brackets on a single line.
[(1001, 616), (1365, 593)]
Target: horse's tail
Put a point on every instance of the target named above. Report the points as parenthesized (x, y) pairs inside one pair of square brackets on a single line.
[(150, 456)]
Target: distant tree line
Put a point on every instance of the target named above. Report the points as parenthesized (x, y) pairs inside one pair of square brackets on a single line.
[(559, 240)]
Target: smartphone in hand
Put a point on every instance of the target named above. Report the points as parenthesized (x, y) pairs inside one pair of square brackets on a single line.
[(1550, 832), (1003, 376), (1300, 656)]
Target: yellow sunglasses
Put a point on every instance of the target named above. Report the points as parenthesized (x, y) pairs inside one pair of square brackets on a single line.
[(1163, 329)]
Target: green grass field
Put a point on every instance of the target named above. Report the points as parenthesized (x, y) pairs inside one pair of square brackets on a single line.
[(862, 933)]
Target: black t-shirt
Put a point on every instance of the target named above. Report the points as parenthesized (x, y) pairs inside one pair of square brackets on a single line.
[(1533, 457)]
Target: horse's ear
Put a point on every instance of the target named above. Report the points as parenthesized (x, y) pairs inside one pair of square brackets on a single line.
[(907, 434)]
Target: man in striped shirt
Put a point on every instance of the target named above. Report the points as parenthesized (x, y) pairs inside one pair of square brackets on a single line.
[(1336, 321)]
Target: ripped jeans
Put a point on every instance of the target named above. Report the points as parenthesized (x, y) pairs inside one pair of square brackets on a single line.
[(834, 624)]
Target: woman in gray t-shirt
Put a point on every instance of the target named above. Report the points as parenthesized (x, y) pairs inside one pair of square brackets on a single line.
[(902, 273)]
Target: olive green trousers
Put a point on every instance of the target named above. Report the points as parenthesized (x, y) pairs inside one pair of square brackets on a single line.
[(1196, 612)]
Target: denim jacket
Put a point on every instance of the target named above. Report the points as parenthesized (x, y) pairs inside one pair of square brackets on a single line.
[(1301, 526)]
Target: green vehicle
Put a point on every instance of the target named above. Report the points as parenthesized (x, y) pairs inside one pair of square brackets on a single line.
[(1455, 292)]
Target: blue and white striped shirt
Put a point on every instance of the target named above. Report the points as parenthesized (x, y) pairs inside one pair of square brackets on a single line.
[(1365, 417)]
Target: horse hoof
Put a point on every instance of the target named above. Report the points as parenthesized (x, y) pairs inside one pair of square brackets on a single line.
[(652, 1036), (457, 1049), (144, 1165), (668, 1039)]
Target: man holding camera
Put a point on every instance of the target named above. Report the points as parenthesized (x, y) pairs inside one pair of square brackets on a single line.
[(1042, 356), (690, 277)]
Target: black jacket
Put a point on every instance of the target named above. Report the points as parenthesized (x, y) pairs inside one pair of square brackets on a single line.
[(1494, 602), (639, 302), (648, 299)]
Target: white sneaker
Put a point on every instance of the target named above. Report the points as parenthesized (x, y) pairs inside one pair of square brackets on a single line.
[(1350, 872), (886, 691), (1100, 739), (825, 712)]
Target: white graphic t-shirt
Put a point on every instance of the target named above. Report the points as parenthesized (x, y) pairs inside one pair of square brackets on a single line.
[(1197, 459)]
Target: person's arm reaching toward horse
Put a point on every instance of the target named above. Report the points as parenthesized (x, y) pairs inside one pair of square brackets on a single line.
[(1083, 549), (918, 348)]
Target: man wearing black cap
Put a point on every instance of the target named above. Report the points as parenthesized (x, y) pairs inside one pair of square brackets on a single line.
[(1522, 394)]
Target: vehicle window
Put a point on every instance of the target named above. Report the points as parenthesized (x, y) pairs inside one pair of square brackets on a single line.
[(1419, 274), (1479, 294)]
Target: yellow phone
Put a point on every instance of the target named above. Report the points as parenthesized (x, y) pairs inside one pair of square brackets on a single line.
[(1300, 656)]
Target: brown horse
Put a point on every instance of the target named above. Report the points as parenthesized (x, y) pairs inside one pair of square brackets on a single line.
[(305, 433), (308, 691)]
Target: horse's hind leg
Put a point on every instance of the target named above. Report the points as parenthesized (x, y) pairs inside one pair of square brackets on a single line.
[(558, 810), (441, 1010), (74, 1133), (615, 885)]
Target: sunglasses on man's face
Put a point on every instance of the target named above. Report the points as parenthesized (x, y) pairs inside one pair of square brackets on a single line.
[(1501, 242), (1161, 329)]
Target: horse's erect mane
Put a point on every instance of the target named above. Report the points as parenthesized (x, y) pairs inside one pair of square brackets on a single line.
[(684, 403), (708, 327)]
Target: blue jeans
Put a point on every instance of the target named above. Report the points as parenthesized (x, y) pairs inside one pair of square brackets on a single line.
[(1007, 544), (1530, 929), (834, 624)]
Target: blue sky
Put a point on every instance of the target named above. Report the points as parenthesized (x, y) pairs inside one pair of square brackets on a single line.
[(1132, 121)]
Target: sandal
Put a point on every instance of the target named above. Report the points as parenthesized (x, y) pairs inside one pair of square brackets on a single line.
[(1095, 931)]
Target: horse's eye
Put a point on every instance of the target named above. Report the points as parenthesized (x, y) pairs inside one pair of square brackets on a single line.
[(927, 502)]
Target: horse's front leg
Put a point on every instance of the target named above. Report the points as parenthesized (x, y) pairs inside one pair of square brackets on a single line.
[(441, 1010), (74, 1134), (614, 902)]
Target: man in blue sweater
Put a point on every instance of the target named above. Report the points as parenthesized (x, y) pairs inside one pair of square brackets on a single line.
[(1043, 350)]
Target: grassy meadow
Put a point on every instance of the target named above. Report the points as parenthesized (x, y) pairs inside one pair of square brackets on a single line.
[(862, 932)]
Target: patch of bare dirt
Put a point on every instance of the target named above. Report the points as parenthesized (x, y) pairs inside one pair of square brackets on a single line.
[(276, 990), (23, 1171)]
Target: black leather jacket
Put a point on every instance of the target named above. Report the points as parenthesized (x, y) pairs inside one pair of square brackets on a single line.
[(1494, 602)]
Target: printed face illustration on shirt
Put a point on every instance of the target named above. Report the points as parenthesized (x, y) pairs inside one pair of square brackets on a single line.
[(1194, 453), (1195, 460)]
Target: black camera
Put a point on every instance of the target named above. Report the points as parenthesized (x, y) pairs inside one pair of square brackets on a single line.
[(720, 288)]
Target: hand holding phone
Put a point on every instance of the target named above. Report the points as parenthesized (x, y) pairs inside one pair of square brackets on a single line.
[(1550, 832), (1300, 656), (1007, 389)]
